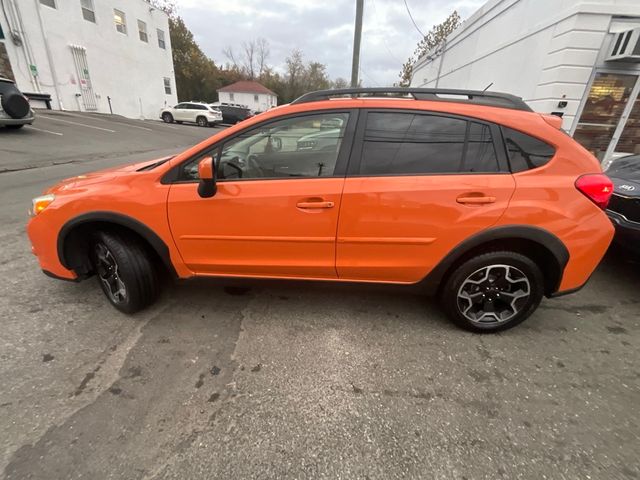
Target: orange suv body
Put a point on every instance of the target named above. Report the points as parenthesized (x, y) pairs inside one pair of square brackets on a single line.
[(393, 190)]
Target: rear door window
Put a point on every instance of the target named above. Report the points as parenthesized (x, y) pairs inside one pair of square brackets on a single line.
[(524, 151), (414, 144)]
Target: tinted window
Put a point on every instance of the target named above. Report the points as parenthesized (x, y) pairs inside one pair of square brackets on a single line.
[(406, 143), (180, 105), (481, 152), (526, 152)]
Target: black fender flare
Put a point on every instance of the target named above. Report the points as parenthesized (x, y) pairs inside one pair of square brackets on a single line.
[(119, 219), (505, 232)]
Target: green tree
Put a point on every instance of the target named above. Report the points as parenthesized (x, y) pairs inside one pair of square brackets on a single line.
[(435, 38)]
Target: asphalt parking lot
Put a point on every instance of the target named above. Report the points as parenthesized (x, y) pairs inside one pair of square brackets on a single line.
[(293, 380)]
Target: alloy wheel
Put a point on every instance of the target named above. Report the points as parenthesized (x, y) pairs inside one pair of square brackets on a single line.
[(109, 275), (493, 294)]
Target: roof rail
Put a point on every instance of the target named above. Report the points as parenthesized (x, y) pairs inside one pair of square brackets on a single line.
[(491, 99)]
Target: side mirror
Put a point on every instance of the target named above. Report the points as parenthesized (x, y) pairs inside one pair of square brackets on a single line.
[(206, 171)]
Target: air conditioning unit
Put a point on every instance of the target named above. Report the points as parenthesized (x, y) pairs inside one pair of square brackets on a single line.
[(626, 46)]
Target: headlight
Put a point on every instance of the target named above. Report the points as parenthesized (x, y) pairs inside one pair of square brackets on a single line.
[(40, 203)]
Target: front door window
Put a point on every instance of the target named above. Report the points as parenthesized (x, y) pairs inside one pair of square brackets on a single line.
[(607, 99)]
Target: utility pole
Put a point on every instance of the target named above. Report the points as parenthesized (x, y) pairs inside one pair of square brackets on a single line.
[(357, 34)]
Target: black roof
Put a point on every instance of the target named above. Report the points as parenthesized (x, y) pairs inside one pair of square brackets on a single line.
[(478, 97)]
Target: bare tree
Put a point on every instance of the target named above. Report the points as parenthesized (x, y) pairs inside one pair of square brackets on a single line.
[(252, 61), (263, 51)]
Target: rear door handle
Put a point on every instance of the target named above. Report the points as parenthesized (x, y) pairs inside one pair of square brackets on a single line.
[(475, 200), (315, 204)]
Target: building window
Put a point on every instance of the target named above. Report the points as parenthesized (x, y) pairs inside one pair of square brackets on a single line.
[(88, 11), (142, 31), (161, 43), (167, 85), (231, 99), (49, 3), (255, 98), (121, 20)]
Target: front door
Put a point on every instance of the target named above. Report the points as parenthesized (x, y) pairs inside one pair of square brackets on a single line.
[(418, 185), (275, 212)]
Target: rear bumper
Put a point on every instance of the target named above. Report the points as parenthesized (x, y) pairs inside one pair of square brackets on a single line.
[(18, 121)]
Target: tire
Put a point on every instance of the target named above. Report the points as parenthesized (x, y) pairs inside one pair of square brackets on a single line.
[(14, 127), (202, 122), (508, 283), (167, 117), (125, 271), (15, 104)]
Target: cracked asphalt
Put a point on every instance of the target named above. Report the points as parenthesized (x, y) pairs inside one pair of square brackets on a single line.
[(262, 379)]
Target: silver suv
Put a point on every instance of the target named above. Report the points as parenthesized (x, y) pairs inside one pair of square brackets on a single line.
[(15, 111), (193, 112)]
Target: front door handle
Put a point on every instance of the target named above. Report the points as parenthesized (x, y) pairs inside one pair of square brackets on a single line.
[(475, 199), (315, 204)]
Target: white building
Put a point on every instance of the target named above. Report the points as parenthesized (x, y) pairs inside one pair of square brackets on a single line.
[(568, 57), (253, 95), (87, 53)]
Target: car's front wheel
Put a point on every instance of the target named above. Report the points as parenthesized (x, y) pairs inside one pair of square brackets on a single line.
[(167, 117), (493, 291), (125, 271)]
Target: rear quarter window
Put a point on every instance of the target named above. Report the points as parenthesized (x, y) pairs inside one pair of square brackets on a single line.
[(524, 151)]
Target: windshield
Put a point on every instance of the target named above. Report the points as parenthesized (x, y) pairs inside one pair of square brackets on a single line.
[(627, 168)]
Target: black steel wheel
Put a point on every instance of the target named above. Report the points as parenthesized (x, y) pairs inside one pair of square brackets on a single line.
[(493, 291)]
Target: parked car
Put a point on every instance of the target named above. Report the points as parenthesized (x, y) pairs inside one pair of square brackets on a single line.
[(193, 112), (624, 207), (234, 114), (15, 111), (471, 195)]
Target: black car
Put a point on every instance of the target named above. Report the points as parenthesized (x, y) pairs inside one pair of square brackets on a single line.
[(624, 207), (232, 114)]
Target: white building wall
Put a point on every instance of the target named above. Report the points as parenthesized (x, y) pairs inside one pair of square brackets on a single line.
[(544, 51), (264, 102), (122, 67)]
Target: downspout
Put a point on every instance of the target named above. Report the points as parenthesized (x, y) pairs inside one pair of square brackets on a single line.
[(17, 35), (49, 56), (444, 48), (27, 47)]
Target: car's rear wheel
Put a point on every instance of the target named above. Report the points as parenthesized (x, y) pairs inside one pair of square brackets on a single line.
[(493, 291), (167, 117), (125, 271), (202, 122)]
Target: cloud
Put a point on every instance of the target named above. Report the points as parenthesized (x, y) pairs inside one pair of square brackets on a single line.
[(322, 30)]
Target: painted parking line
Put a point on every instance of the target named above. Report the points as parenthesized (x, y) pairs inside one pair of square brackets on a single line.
[(110, 121), (54, 119), (43, 130)]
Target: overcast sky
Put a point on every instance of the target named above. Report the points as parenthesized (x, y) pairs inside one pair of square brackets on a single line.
[(323, 30)]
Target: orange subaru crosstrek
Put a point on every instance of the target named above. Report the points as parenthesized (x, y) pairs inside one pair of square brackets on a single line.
[(471, 194)]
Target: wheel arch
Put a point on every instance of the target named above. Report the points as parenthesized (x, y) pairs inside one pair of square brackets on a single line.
[(72, 239), (542, 246)]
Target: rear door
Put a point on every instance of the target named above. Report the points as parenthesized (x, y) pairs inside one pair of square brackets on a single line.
[(418, 184)]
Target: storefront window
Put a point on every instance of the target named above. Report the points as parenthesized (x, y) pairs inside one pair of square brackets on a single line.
[(630, 139), (607, 99)]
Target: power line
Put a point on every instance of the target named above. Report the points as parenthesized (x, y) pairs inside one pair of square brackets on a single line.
[(412, 20)]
